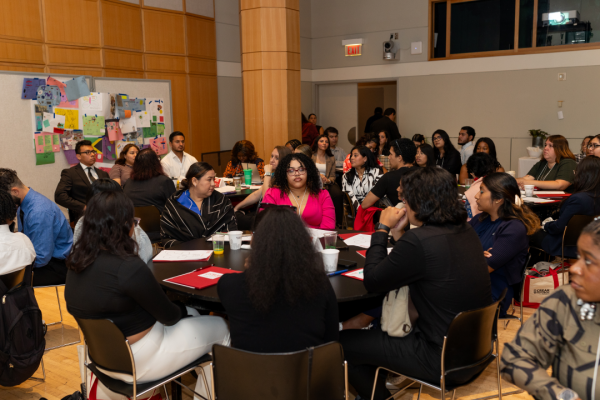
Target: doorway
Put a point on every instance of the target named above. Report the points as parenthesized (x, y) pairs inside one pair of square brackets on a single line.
[(372, 95)]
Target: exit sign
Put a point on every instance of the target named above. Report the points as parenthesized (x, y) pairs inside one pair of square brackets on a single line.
[(353, 50)]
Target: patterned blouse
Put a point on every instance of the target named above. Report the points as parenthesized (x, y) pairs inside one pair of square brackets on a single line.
[(358, 189), (232, 171)]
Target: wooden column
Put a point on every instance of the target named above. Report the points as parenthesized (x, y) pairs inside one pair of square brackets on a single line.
[(270, 38)]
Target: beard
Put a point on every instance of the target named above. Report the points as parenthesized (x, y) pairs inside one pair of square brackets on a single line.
[(17, 200)]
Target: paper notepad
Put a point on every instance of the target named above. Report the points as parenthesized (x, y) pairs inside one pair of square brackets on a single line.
[(183, 255), (360, 240), (226, 189), (536, 200), (201, 278)]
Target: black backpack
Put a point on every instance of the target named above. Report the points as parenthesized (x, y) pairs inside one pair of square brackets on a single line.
[(22, 334)]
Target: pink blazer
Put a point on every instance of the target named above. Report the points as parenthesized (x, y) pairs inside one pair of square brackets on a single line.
[(318, 213)]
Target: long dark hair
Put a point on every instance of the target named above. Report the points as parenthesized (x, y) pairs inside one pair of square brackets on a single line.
[(503, 186), (428, 151), (480, 165), (107, 222), (102, 185), (197, 170), (386, 147), (304, 120), (121, 159), (448, 146), (491, 146), (312, 174), (417, 137), (294, 143), (245, 147), (587, 177), (8, 208), (374, 137), (433, 195), (370, 163), (315, 145), (146, 166), (283, 263)]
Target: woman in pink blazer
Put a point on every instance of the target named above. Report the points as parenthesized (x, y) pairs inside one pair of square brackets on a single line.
[(296, 183)]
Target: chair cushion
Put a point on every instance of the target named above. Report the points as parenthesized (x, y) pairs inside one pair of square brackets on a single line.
[(126, 389)]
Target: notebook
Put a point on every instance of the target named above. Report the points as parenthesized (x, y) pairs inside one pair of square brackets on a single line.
[(202, 277), (355, 274), (183, 255)]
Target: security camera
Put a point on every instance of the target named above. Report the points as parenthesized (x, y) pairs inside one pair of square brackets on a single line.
[(388, 54)]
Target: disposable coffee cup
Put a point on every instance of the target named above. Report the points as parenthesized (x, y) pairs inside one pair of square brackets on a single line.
[(235, 240), (330, 259), (248, 176), (529, 190), (511, 173)]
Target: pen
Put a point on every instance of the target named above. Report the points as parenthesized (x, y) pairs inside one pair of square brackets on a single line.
[(337, 272)]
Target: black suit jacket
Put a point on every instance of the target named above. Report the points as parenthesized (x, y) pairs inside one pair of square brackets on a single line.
[(72, 190), (386, 124)]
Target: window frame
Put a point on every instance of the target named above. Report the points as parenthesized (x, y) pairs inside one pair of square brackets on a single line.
[(497, 53)]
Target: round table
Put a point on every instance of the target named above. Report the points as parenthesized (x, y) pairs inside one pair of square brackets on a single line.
[(351, 294)]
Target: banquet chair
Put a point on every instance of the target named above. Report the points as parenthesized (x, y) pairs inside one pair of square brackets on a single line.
[(150, 222), (349, 212), (520, 292), (572, 232), (314, 373), (109, 350), (467, 350)]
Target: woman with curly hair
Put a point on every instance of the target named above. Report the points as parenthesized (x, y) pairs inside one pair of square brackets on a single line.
[(297, 184), (242, 154), (148, 185), (283, 302)]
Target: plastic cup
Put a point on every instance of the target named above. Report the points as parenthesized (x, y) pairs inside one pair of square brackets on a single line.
[(529, 190), (237, 182), (248, 176), (511, 173), (235, 240), (330, 259), (330, 240), (468, 183), (218, 244)]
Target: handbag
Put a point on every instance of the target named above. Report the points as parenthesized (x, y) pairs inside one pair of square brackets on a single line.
[(398, 313)]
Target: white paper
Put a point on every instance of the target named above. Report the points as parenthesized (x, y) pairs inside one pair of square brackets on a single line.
[(560, 115), (93, 102), (142, 119), (318, 233), (359, 240), (358, 273), (536, 200), (155, 108), (225, 189), (255, 186), (245, 238), (211, 275), (183, 255), (127, 125), (51, 121), (543, 192)]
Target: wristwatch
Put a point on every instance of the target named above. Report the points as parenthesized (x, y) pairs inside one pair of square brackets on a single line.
[(382, 226), (268, 174), (567, 394)]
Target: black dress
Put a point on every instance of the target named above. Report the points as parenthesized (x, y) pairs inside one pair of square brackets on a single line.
[(152, 192)]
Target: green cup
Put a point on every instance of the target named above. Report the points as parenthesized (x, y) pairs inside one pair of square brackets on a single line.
[(248, 176)]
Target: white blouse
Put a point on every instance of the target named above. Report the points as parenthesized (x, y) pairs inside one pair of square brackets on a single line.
[(359, 188)]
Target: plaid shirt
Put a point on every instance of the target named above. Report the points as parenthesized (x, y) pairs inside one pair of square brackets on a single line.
[(579, 157)]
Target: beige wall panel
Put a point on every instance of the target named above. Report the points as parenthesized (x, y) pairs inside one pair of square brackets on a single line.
[(122, 26), (123, 60), (205, 124), (21, 67), (179, 96), (72, 22), (205, 8), (164, 32), (202, 66), (21, 20), (248, 4), (21, 52), (75, 71), (155, 62), (201, 37), (115, 73), (253, 109), (87, 57)]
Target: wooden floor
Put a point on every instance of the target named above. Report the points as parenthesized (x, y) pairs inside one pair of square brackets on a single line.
[(63, 376)]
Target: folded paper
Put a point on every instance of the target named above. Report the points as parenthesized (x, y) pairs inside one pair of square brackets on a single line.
[(55, 82), (76, 88), (113, 130), (159, 145)]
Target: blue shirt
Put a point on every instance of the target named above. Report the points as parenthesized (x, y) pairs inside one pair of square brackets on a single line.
[(47, 228), (188, 203)]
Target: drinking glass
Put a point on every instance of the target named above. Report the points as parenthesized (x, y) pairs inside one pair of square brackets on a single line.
[(330, 240), (218, 243), (468, 183), (237, 182)]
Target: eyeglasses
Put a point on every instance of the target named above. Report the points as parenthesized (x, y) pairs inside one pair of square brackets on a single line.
[(593, 146), (299, 171), (89, 152), (435, 139)]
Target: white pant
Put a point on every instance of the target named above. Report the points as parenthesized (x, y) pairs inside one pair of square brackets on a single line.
[(166, 349)]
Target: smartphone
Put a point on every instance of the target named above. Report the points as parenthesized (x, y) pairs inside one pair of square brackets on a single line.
[(346, 264)]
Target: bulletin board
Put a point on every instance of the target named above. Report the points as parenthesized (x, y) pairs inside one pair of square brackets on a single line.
[(17, 151)]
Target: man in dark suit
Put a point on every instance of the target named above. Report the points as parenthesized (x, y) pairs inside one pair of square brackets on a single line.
[(75, 181), (387, 123)]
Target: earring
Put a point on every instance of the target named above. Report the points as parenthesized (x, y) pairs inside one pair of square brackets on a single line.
[(587, 310)]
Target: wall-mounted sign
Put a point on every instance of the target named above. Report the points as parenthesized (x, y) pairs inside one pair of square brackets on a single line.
[(353, 50), (352, 47)]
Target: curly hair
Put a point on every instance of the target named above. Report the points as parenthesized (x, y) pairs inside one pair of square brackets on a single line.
[(246, 148), (8, 208), (121, 159), (491, 147), (503, 186), (433, 195), (283, 263), (146, 166), (294, 143), (315, 145), (107, 222), (312, 174)]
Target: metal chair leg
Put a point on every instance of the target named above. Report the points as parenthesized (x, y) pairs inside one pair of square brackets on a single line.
[(453, 394), (205, 383), (59, 309), (498, 371), (420, 391), (43, 379), (166, 391)]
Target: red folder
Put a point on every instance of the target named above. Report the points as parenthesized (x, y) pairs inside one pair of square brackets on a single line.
[(362, 253), (348, 274), (553, 196), (201, 278)]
